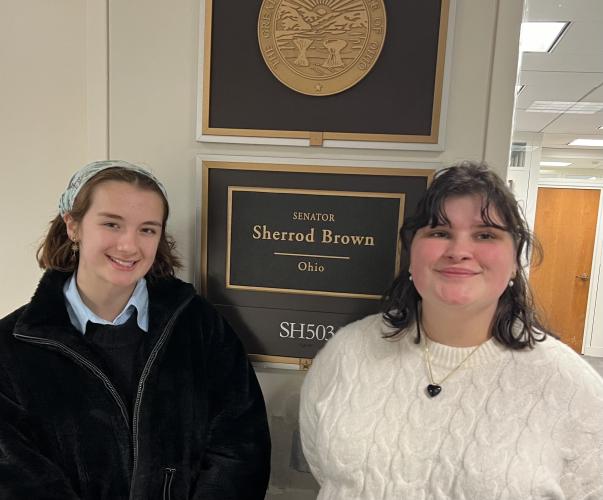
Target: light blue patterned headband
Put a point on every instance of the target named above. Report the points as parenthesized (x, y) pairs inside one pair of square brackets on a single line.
[(86, 173)]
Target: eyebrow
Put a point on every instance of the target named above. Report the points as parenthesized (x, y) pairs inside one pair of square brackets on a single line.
[(479, 226), (119, 217)]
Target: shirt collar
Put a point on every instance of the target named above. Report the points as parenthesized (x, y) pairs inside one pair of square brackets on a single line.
[(80, 313)]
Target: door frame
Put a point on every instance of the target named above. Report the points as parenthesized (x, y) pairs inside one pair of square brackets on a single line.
[(594, 304)]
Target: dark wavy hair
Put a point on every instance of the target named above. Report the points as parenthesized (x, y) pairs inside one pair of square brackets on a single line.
[(55, 250), (516, 323)]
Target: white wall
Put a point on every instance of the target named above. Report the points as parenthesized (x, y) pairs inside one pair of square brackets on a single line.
[(526, 178), (42, 128)]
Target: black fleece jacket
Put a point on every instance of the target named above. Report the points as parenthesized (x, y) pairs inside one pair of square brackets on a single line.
[(198, 429)]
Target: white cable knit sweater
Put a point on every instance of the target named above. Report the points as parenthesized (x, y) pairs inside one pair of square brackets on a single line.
[(508, 424)]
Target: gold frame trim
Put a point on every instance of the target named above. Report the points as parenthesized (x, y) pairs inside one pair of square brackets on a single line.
[(309, 192), (302, 363), (432, 138), (278, 167)]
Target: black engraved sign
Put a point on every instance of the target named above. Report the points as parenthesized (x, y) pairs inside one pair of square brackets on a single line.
[(291, 253), (319, 242)]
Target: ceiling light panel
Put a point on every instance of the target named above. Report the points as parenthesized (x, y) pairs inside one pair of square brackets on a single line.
[(540, 36), (554, 164), (598, 143), (579, 108), (588, 108)]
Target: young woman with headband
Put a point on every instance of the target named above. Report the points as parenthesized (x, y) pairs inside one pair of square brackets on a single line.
[(117, 380)]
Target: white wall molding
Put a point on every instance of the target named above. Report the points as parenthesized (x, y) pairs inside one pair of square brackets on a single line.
[(570, 183), (503, 74)]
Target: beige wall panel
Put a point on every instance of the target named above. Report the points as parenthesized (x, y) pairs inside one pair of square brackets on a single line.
[(42, 128)]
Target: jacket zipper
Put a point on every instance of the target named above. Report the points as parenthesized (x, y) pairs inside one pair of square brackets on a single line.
[(82, 361), (107, 383), (143, 377), (168, 477)]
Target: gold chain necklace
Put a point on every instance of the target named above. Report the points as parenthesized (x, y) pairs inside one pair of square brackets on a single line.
[(433, 389)]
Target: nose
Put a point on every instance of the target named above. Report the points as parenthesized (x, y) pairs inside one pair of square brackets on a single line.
[(127, 242), (459, 248)]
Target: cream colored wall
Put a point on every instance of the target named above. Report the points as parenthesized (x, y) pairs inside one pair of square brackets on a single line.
[(42, 128)]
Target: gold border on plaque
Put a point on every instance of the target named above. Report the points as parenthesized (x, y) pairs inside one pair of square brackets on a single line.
[(432, 138), (302, 363), (310, 192)]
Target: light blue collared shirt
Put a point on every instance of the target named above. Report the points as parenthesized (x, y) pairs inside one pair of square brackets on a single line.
[(80, 313)]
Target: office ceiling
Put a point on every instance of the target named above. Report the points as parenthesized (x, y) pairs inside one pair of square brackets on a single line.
[(571, 72)]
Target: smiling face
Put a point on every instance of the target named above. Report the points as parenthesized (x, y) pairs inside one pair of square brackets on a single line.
[(466, 263), (118, 237)]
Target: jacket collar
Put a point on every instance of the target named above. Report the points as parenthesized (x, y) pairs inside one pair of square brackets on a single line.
[(46, 315)]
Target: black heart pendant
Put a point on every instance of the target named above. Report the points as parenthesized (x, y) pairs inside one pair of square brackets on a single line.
[(433, 390)]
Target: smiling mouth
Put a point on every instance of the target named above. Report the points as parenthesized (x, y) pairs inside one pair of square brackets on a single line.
[(124, 264), (457, 273)]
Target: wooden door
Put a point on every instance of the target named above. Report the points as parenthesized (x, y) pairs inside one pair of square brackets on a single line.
[(566, 220)]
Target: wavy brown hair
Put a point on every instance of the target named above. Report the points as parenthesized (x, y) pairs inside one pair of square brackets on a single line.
[(55, 250), (516, 323)]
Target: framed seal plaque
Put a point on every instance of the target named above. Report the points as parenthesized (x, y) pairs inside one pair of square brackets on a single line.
[(290, 253), (336, 73)]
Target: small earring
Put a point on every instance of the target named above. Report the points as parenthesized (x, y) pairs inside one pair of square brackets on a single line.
[(75, 247), (409, 277), (511, 283)]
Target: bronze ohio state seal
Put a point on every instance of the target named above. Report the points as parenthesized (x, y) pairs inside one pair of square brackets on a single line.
[(321, 47)]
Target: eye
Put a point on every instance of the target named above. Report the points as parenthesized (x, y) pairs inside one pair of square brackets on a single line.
[(437, 233), (149, 230), (111, 225), (486, 235)]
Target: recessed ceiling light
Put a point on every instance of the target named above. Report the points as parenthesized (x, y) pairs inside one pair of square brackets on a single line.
[(580, 108), (554, 164), (587, 142), (601, 127), (586, 107), (540, 37)]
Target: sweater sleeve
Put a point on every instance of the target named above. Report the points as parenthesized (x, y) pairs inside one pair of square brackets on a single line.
[(237, 458), (582, 438), (26, 472)]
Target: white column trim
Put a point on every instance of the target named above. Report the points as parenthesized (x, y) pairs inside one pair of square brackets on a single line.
[(503, 75)]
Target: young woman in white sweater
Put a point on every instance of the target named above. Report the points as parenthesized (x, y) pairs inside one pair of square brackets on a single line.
[(456, 391)]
